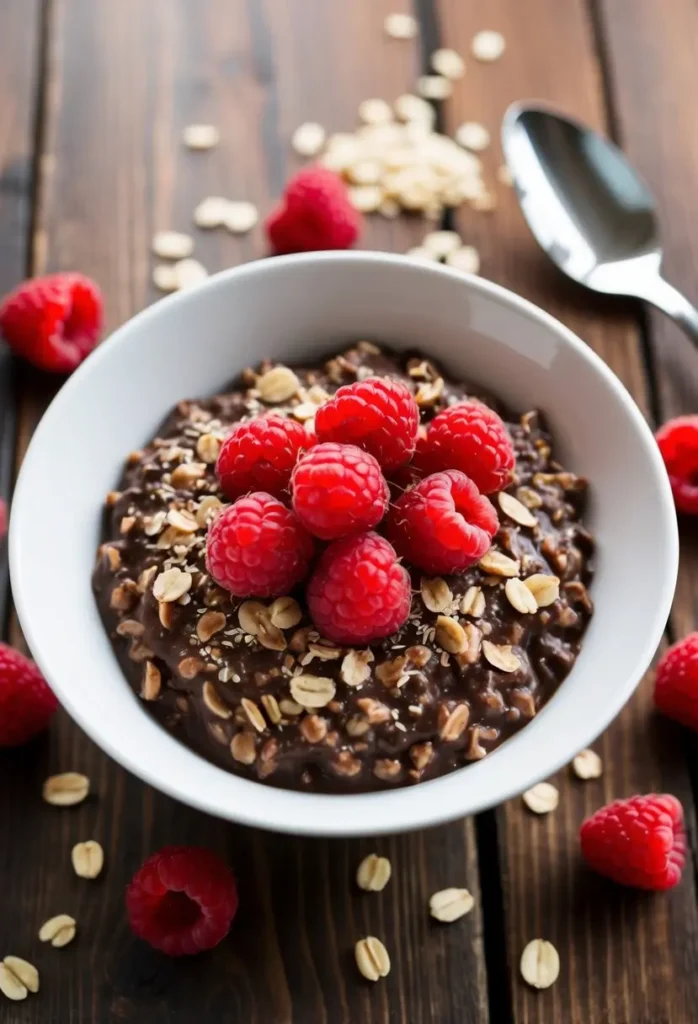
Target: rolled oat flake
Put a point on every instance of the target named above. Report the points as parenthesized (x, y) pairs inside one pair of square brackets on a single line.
[(540, 964)]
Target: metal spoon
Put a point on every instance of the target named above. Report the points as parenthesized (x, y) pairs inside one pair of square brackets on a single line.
[(589, 209)]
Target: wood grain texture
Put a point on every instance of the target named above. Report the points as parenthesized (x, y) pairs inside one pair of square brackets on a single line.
[(20, 33), (625, 957), (652, 100), (124, 79)]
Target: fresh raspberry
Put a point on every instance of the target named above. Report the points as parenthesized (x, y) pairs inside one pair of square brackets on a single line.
[(314, 213), (443, 524), (676, 684), (378, 414), (639, 842), (258, 548), (678, 443), (53, 321), (359, 592), (338, 489), (472, 438), (259, 456), (26, 702), (182, 900)]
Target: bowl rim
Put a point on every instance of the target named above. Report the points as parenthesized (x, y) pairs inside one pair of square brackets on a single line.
[(388, 811)]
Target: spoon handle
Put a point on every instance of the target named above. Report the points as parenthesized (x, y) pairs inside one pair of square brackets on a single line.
[(672, 302)]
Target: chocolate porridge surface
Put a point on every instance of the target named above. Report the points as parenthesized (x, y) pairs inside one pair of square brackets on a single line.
[(480, 654)]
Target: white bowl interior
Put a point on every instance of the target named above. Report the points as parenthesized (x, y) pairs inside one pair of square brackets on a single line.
[(290, 308)]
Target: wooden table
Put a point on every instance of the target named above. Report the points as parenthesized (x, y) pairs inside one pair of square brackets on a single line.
[(94, 95)]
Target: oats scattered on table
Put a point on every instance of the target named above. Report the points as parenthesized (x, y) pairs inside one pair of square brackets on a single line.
[(165, 278), (87, 859), (240, 217), (308, 138), (374, 111), (201, 136), (373, 873), (401, 26), (488, 46), (450, 904), (587, 765), (366, 198), (409, 107), (466, 258), (372, 958), (172, 245), (66, 789), (58, 930), (422, 254), (211, 212), (472, 135), (189, 273), (434, 87), (542, 798), (448, 64), (540, 964), (442, 243)]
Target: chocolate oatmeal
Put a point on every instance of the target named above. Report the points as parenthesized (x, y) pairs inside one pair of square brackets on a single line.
[(254, 688)]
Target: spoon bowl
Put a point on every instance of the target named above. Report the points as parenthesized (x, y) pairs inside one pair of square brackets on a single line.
[(588, 208)]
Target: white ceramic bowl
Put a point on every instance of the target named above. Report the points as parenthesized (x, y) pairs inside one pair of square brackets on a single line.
[(288, 308)]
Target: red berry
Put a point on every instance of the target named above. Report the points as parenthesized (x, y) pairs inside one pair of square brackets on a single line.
[(678, 443), (378, 414), (359, 592), (639, 842), (258, 548), (53, 321), (182, 900), (443, 524), (314, 213), (676, 684), (472, 438), (338, 489), (3, 519), (259, 456), (26, 702)]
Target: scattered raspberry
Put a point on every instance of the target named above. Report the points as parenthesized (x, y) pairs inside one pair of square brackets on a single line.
[(472, 438), (676, 684), (26, 702), (338, 489), (258, 548), (378, 414), (443, 524), (182, 900), (638, 842), (678, 443), (315, 213), (3, 519), (53, 321), (359, 592), (259, 456)]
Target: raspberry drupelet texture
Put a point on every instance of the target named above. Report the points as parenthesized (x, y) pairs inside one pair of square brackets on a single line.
[(676, 683), (638, 842), (472, 438), (442, 525), (314, 213), (378, 414), (26, 702), (259, 455), (678, 443), (359, 592), (54, 321), (338, 489), (258, 548), (182, 900)]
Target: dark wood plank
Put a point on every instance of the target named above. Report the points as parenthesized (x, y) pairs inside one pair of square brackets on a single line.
[(114, 171), (625, 957), (652, 100), (20, 39)]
